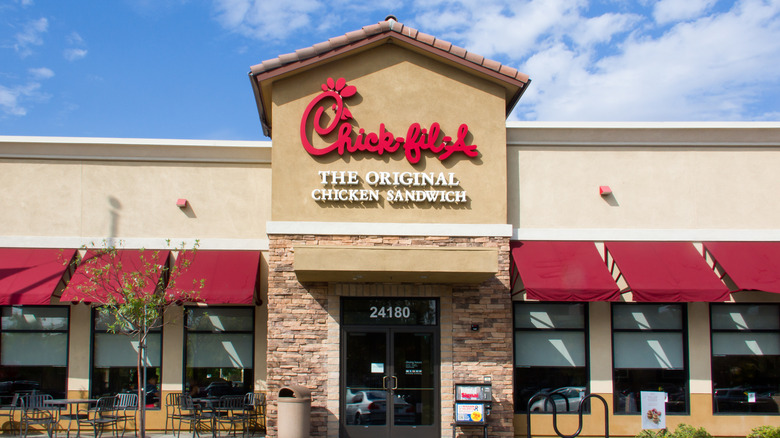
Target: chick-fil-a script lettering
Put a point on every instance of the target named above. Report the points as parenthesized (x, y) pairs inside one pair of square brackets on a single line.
[(417, 139)]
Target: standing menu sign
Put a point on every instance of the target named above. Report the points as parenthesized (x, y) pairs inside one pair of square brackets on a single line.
[(472, 402), (653, 406)]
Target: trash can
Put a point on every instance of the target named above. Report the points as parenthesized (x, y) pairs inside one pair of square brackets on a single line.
[(294, 412)]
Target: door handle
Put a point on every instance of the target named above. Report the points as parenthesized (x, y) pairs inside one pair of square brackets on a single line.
[(384, 383), (395, 383)]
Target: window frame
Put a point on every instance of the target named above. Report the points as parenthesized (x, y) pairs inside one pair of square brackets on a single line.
[(65, 331), (713, 331), (187, 330), (94, 311), (585, 331), (683, 331)]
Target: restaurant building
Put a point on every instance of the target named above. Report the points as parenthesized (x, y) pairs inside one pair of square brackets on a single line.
[(398, 238)]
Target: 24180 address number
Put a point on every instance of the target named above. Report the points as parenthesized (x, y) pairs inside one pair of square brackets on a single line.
[(390, 312)]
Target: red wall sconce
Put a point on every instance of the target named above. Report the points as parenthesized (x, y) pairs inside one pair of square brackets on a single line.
[(605, 191)]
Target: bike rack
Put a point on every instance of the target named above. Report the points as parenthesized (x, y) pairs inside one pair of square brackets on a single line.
[(549, 398)]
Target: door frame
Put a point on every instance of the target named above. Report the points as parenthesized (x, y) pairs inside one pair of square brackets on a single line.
[(433, 430)]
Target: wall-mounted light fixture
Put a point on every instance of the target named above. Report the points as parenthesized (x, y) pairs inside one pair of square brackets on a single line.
[(605, 191), (181, 202)]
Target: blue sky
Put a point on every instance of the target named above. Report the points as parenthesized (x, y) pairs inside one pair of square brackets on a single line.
[(178, 68)]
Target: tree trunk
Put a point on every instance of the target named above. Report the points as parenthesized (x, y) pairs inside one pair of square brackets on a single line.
[(141, 386)]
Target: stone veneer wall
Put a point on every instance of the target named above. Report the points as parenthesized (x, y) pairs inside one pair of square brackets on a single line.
[(304, 333)]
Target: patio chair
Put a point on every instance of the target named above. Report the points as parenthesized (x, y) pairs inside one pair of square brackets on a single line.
[(192, 414), (126, 409), (254, 407), (100, 416), (35, 411), (9, 410), (230, 411), (178, 407)]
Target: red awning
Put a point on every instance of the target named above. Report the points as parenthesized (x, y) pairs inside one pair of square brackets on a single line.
[(563, 271), (666, 271), (751, 265), (229, 277), (125, 262), (30, 276)]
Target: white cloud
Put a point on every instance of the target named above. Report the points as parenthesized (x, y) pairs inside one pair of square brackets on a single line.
[(74, 39), (41, 73), (666, 11), (74, 54), (265, 19), (31, 35), (707, 69), (10, 98)]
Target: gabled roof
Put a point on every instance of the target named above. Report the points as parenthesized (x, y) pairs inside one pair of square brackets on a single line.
[(264, 73)]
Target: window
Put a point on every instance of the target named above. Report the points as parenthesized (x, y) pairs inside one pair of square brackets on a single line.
[(220, 351), (115, 361), (745, 358), (649, 354), (26, 332), (550, 355)]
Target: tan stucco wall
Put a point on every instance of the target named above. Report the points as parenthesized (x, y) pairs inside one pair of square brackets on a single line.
[(127, 199), (396, 87), (661, 178)]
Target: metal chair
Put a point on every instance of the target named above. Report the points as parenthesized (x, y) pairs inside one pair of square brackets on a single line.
[(35, 410), (190, 412), (126, 409), (100, 416), (254, 407), (230, 411), (9, 410), (179, 407)]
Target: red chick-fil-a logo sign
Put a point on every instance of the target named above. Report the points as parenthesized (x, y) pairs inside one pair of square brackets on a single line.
[(417, 139)]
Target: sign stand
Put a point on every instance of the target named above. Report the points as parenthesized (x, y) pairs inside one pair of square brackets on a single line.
[(472, 404)]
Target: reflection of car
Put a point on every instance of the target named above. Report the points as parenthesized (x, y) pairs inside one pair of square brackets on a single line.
[(218, 389), (566, 399), (370, 407), (745, 399), (9, 388)]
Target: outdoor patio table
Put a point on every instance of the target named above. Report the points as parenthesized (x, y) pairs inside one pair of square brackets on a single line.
[(73, 410), (211, 406)]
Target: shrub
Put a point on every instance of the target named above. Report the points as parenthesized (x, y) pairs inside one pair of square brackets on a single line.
[(683, 431), (687, 431), (765, 432)]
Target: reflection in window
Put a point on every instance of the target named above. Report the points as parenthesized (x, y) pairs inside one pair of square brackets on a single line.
[(220, 354), (745, 358), (115, 361), (550, 356), (649, 355), (25, 332)]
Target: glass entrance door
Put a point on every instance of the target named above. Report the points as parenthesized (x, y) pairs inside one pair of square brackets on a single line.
[(390, 382)]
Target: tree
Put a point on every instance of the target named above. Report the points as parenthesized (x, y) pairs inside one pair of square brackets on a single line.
[(135, 289)]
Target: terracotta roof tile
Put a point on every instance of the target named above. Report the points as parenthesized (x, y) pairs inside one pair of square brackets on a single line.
[(339, 41), (288, 58), (458, 51), (473, 57), (509, 71), (425, 38), (442, 45), (493, 65), (322, 47), (382, 27), (356, 35), (373, 29), (410, 32), (306, 53)]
